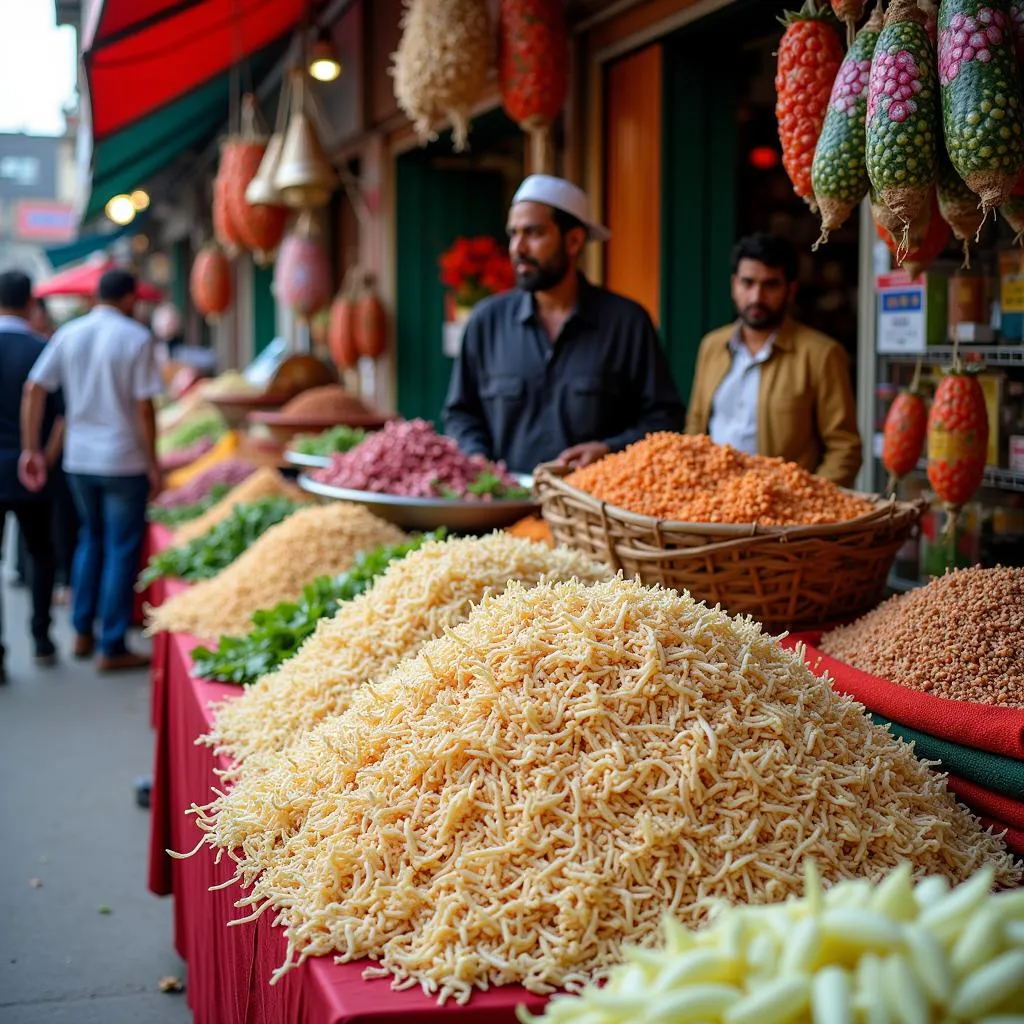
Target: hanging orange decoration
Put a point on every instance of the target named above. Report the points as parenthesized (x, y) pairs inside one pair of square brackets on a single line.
[(210, 282), (533, 69), (258, 227), (370, 323), (341, 331), (224, 230)]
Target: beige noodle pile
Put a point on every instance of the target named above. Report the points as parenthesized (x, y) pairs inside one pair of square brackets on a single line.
[(542, 783), (322, 540), (415, 600), (958, 637), (264, 483)]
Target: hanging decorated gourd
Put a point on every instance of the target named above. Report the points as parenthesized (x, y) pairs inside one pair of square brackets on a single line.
[(533, 69), (370, 322), (905, 431), (302, 277), (341, 330), (441, 65), (957, 440), (210, 282)]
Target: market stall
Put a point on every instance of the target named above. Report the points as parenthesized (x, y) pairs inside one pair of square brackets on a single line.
[(403, 820)]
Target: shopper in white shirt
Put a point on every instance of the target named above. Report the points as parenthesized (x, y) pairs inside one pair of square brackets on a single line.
[(105, 364)]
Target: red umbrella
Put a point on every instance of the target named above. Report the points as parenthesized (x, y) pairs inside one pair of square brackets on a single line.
[(84, 282)]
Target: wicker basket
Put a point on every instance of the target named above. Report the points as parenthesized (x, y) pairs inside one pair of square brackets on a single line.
[(787, 577)]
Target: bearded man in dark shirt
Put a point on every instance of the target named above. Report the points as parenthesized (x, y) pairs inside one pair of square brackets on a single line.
[(558, 368)]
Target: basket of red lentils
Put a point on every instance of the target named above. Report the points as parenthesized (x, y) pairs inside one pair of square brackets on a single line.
[(759, 536)]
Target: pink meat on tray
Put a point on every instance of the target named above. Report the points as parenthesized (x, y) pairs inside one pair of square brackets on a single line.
[(410, 459)]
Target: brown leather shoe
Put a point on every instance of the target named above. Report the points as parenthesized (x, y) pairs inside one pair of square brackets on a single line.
[(85, 647), (123, 662)]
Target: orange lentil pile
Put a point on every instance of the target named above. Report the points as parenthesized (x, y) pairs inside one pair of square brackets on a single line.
[(958, 637), (690, 479)]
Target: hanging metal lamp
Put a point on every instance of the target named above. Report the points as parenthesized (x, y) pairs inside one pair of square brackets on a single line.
[(304, 176)]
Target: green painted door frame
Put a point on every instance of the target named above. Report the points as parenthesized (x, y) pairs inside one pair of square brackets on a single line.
[(698, 201), (436, 202)]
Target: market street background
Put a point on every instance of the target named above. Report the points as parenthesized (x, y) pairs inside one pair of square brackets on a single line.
[(72, 744)]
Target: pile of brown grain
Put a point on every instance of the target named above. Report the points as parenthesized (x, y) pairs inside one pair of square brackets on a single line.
[(688, 478), (331, 401), (961, 637), (264, 483), (319, 541), (549, 778)]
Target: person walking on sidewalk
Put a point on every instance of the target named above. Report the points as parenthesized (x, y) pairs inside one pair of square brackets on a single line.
[(20, 347), (105, 363)]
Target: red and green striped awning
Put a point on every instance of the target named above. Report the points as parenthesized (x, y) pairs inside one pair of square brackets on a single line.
[(158, 78)]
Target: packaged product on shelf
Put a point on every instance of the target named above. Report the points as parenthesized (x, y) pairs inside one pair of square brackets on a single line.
[(912, 312), (968, 311), (992, 385), (1011, 294)]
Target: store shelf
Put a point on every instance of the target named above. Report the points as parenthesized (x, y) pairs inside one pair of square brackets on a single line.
[(1002, 479), (940, 355)]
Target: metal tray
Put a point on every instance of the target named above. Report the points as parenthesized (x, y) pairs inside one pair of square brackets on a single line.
[(429, 513), (294, 458)]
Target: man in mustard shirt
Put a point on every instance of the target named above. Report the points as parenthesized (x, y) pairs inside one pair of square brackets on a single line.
[(768, 385)]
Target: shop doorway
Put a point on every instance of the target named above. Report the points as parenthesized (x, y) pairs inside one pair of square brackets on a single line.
[(440, 196), (723, 178)]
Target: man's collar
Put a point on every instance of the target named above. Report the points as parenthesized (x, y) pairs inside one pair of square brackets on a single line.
[(781, 339), (15, 324), (584, 310)]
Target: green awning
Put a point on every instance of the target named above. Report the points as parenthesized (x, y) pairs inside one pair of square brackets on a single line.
[(125, 161), (61, 255)]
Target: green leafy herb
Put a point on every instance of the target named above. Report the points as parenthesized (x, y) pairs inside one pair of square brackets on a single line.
[(487, 482), (177, 514), (337, 439), (198, 428), (206, 556), (278, 632)]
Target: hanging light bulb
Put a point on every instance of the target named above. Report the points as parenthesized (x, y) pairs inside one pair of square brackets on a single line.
[(120, 209), (324, 65), (140, 199)]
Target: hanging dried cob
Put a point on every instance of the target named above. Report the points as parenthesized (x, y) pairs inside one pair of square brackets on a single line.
[(958, 205), (921, 254), (441, 65), (533, 69), (850, 12), (839, 175), (809, 59), (903, 116)]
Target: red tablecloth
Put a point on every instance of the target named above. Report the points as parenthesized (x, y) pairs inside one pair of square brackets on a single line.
[(229, 968)]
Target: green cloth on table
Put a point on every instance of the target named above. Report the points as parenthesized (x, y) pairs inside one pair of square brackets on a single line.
[(1002, 774)]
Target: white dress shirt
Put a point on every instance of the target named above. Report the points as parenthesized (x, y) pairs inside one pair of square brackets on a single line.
[(734, 408), (105, 364)]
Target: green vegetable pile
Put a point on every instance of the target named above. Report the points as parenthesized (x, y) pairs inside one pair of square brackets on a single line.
[(198, 428), (487, 483), (204, 557), (337, 439), (175, 515), (280, 631)]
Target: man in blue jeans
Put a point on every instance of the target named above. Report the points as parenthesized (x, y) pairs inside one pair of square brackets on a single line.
[(105, 364)]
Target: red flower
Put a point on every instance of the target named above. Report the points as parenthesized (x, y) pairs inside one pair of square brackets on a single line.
[(474, 268)]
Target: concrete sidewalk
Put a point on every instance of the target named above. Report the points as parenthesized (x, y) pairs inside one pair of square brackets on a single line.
[(74, 842)]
